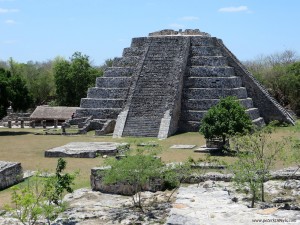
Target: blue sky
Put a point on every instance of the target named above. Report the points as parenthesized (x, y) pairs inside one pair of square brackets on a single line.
[(40, 30)]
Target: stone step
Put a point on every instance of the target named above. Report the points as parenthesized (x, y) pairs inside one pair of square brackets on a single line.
[(259, 122), (202, 41), (139, 42), (126, 61), (213, 82), (99, 113), (142, 126), (101, 103), (214, 93), (109, 93), (113, 82), (253, 113), (210, 71), (194, 126), (133, 51), (208, 61), (118, 72), (204, 51), (197, 115), (205, 104)]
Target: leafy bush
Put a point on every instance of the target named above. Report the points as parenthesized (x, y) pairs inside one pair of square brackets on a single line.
[(41, 198), (225, 119)]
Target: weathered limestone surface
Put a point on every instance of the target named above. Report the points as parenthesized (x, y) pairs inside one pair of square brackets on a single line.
[(166, 83), (86, 149), (10, 173)]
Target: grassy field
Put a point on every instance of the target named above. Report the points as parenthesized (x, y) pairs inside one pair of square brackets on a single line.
[(22, 145)]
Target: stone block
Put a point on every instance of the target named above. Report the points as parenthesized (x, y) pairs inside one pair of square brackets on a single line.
[(113, 82), (119, 72), (86, 149), (208, 61), (109, 93), (101, 103), (214, 93), (126, 61), (11, 173), (183, 146), (98, 113), (213, 82), (208, 71), (205, 51)]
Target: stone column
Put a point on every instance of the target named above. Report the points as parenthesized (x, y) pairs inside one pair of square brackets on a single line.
[(63, 128), (44, 124), (55, 123), (22, 123), (9, 124)]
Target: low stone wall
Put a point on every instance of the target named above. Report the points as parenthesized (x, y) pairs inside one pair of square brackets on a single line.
[(158, 185), (120, 188), (10, 173)]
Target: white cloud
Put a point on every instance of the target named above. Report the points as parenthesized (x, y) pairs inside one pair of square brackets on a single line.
[(234, 9), (189, 18), (176, 26), (9, 42), (10, 22), (2, 10)]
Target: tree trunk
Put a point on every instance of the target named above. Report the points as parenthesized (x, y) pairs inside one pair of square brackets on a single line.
[(263, 190), (253, 199)]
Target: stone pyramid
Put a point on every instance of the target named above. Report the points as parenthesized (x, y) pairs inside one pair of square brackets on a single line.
[(166, 82)]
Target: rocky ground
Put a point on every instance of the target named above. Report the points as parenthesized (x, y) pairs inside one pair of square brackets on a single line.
[(210, 202)]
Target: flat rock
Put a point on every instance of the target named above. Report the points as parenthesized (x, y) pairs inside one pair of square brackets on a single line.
[(198, 205), (204, 149), (86, 149), (183, 146)]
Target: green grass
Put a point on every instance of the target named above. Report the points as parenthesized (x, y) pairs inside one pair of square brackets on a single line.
[(22, 145)]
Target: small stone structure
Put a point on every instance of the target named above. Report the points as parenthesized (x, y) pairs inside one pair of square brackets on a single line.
[(120, 188), (10, 173), (87, 149), (167, 81), (51, 116)]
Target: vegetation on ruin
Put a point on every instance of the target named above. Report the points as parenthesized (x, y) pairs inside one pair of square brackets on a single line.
[(256, 155), (41, 197), (225, 120)]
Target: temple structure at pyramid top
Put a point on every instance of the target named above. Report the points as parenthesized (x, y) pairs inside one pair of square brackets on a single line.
[(166, 82)]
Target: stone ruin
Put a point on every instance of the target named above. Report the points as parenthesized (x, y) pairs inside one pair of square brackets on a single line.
[(166, 82), (10, 173)]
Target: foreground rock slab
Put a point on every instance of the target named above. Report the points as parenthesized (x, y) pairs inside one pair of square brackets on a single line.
[(10, 173), (213, 206), (86, 149)]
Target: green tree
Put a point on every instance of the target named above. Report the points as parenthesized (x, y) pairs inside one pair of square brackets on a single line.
[(280, 74), (73, 78), (225, 119), (256, 155), (4, 98), (13, 90)]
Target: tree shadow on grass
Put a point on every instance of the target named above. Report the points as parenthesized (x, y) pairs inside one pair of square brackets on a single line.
[(13, 133)]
